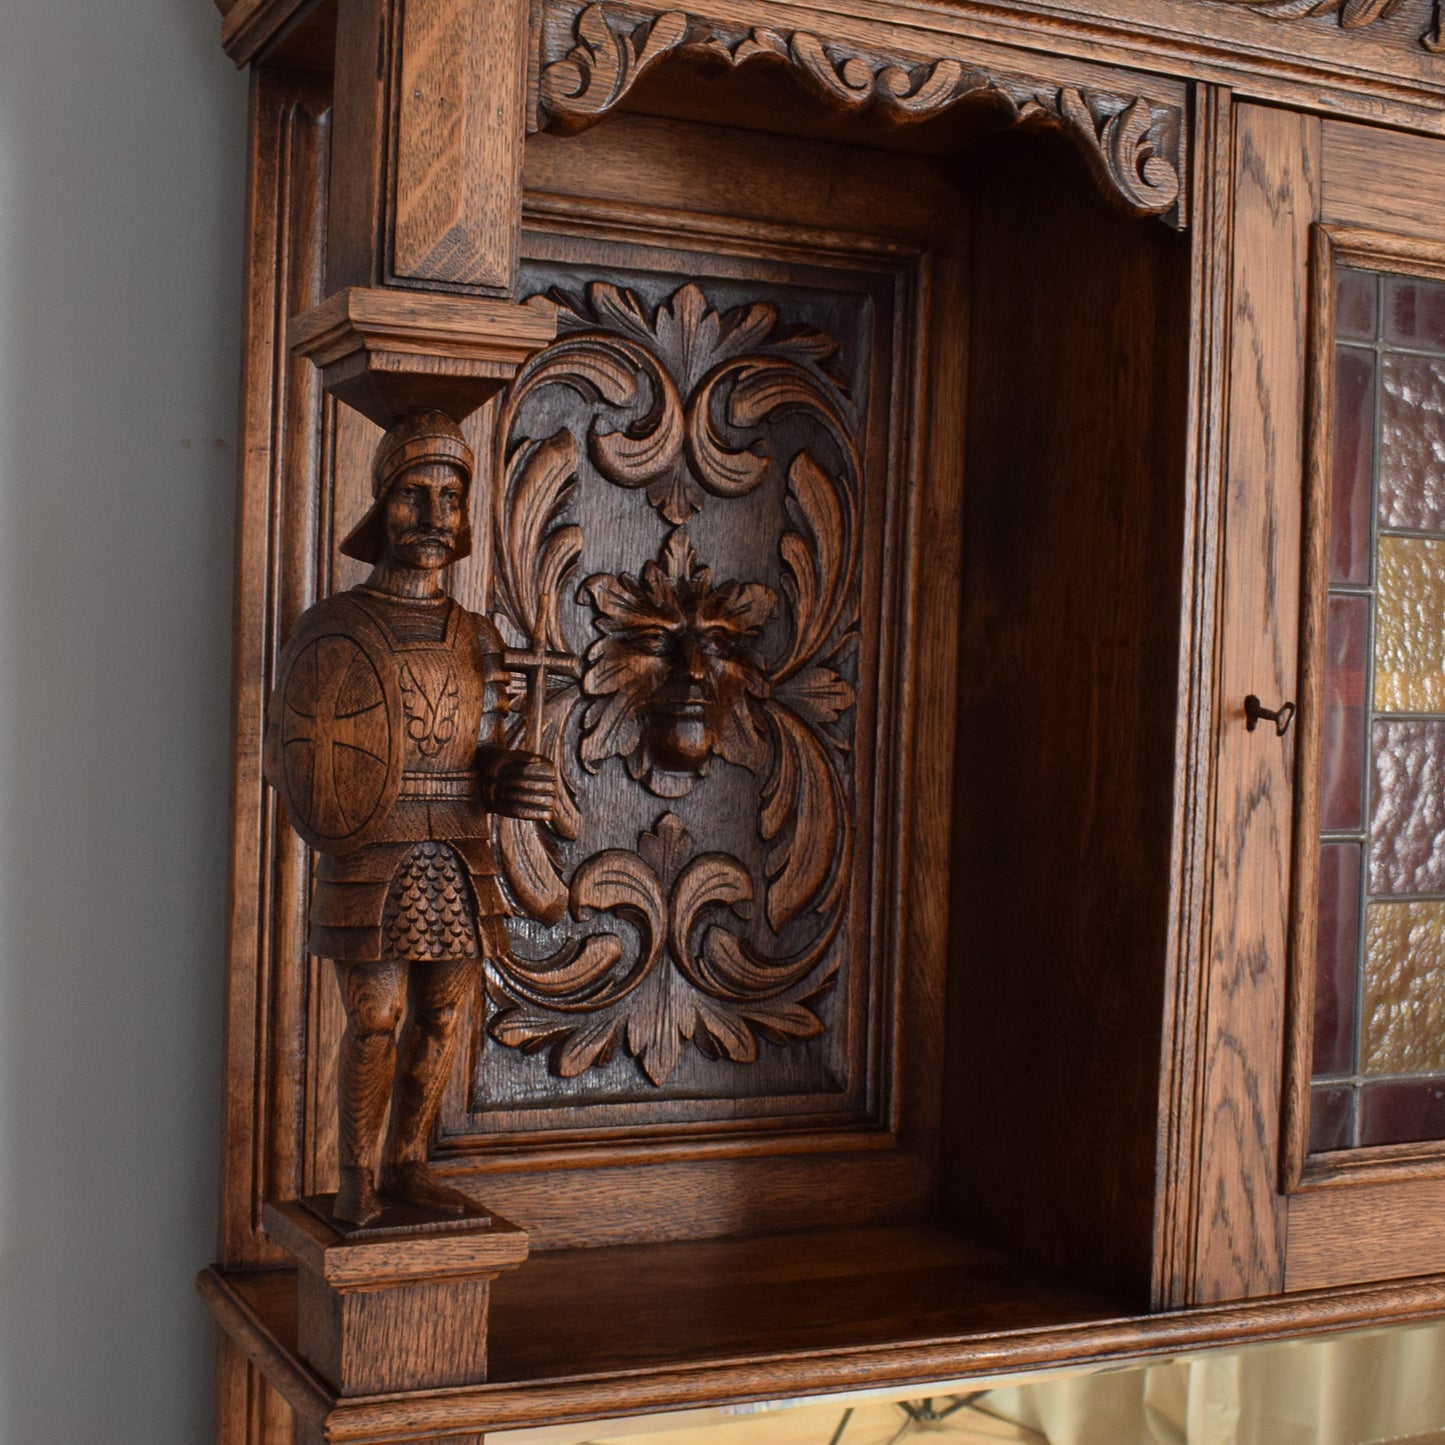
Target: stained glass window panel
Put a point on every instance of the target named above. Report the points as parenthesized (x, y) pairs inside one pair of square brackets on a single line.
[(1379, 1017)]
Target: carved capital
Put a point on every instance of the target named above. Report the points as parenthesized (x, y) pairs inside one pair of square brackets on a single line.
[(387, 352), (591, 57)]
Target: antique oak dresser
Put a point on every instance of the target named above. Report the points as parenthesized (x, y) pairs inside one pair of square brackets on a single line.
[(970, 478)]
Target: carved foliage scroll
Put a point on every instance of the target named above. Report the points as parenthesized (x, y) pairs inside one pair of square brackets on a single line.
[(736, 693), (1351, 14), (1132, 144)]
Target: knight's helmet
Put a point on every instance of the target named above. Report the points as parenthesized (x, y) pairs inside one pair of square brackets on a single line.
[(418, 438)]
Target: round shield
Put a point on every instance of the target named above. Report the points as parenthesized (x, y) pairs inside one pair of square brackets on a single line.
[(333, 737)]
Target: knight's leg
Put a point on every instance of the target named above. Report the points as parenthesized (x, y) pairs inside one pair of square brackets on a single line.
[(437, 1003), (373, 995)]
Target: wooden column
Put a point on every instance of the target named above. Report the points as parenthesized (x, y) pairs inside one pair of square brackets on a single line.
[(426, 163)]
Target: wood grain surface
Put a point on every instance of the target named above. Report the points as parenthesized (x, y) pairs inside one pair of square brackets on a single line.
[(1180, 1101), (722, 1322), (1239, 1229), (1380, 73), (1068, 655)]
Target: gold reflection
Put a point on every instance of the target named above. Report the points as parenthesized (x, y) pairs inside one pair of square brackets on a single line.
[(1410, 625), (1404, 988)]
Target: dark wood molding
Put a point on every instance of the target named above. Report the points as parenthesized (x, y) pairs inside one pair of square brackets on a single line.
[(1351, 14), (592, 55), (256, 1310)]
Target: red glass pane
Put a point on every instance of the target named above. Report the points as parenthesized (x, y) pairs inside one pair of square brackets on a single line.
[(1355, 318), (1337, 953), (1329, 1118), (1352, 469), (1403, 1111), (1342, 752), (1415, 313)]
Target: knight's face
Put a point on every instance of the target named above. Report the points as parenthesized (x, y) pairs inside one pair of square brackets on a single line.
[(424, 514)]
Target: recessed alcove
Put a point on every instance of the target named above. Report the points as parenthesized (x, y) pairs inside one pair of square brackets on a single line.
[(1036, 475)]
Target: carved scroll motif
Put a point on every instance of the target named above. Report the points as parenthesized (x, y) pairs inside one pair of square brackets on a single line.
[(1352, 14), (1132, 144), (684, 668)]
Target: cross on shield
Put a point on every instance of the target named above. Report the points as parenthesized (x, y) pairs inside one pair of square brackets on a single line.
[(334, 738)]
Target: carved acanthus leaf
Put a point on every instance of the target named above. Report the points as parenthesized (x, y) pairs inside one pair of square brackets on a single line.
[(585, 1001), (684, 667), (1131, 143)]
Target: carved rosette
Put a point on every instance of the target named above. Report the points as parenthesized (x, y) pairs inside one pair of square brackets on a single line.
[(688, 407), (593, 56)]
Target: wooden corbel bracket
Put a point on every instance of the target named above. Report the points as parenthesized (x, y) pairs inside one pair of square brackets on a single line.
[(592, 55), (386, 352)]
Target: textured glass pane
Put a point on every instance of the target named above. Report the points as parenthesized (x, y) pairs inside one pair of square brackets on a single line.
[(1336, 955), (1342, 751), (1330, 1119), (1412, 443), (1410, 625), (1415, 313), (1402, 1112), (1355, 318), (1407, 808), (1404, 988), (1352, 471)]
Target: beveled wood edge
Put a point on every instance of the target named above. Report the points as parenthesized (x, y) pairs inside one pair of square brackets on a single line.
[(249, 26), (305, 1391), (389, 1261), (464, 327), (569, 1399), (1299, 962), (548, 213), (1371, 250), (1180, 1111)]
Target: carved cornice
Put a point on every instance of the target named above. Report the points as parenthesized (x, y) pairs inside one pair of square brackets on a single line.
[(1352, 14), (587, 66)]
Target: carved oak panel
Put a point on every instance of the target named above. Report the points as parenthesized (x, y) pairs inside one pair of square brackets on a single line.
[(691, 524)]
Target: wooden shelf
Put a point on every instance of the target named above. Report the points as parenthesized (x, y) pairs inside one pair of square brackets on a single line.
[(584, 1334)]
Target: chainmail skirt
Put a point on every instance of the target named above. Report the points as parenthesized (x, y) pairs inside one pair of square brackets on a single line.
[(430, 912)]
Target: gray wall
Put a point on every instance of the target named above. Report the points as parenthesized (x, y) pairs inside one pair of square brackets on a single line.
[(122, 135)]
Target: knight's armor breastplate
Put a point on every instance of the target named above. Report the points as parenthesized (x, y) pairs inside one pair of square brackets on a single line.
[(425, 885)]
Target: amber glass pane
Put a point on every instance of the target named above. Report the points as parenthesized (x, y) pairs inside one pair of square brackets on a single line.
[(1355, 305), (1415, 313), (1404, 988), (1342, 754), (1410, 625), (1402, 1112), (1330, 1118), (1412, 443), (1407, 808), (1336, 955), (1353, 466)]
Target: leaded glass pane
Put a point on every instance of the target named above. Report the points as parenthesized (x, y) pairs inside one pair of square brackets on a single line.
[(1379, 1022)]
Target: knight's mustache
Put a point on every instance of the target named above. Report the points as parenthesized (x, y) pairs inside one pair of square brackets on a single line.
[(427, 534)]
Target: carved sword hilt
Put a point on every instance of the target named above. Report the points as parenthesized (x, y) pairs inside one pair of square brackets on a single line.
[(533, 662)]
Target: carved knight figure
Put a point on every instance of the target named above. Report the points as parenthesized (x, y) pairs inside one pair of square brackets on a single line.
[(384, 739)]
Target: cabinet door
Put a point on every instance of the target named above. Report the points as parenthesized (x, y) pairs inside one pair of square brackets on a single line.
[(1322, 1138)]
